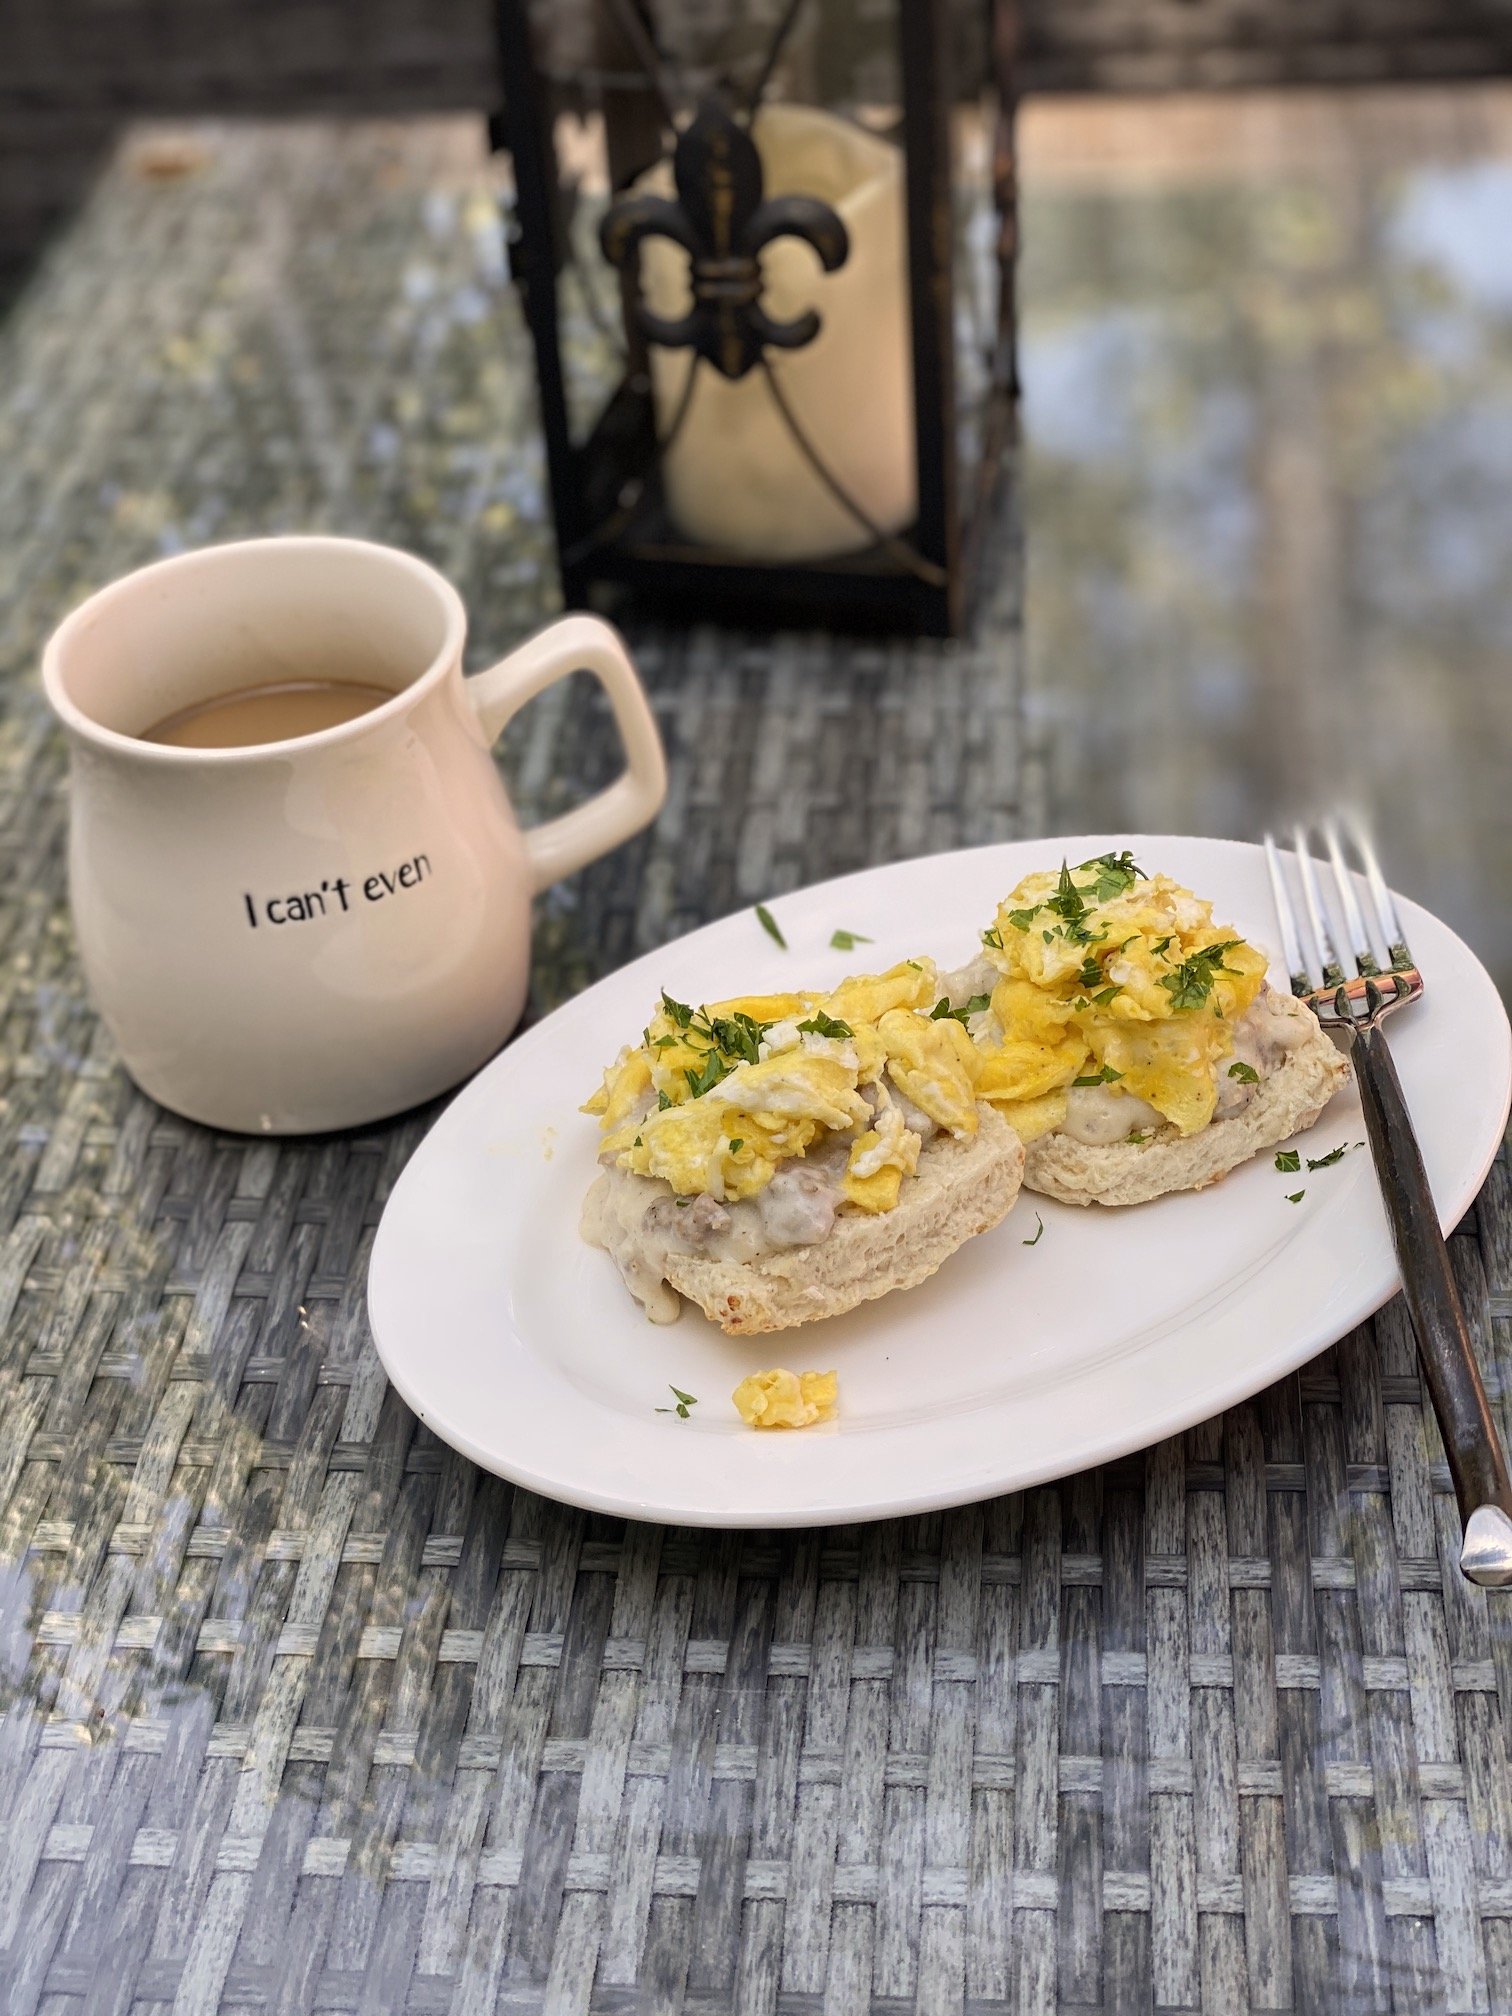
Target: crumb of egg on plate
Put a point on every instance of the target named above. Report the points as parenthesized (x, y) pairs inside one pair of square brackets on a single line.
[(783, 1399)]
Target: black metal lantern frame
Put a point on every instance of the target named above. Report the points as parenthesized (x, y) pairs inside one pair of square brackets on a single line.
[(615, 534)]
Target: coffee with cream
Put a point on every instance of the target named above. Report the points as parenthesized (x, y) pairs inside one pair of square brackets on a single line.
[(250, 716)]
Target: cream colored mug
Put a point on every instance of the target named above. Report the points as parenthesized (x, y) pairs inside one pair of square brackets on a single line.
[(309, 934)]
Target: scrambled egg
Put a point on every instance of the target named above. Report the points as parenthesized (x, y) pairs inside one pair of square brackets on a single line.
[(1110, 977), (783, 1399), (714, 1099)]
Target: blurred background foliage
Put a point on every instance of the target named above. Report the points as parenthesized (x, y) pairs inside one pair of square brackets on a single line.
[(1267, 426)]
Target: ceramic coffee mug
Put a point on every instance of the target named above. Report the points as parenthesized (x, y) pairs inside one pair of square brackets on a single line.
[(313, 933)]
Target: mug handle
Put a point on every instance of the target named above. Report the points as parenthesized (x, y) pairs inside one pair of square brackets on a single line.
[(580, 644)]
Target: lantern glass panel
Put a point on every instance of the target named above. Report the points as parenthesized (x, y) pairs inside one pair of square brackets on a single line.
[(793, 445), (757, 211)]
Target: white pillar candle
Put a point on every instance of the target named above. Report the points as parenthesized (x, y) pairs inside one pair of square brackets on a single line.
[(734, 476)]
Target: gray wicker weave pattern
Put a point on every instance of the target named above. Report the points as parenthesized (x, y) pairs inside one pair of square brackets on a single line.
[(302, 1711)]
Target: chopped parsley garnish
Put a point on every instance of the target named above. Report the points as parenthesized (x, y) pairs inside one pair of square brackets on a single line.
[(1106, 1076), (708, 1075), (847, 941), (1192, 982), (820, 1024), (1112, 875), (662, 1102), (1334, 1155), (1138, 1137), (739, 1035), (1039, 1230), (1158, 949), (1091, 972), (1288, 1161), (684, 1400), (1115, 874), (994, 938), (1105, 994), (637, 1140), (1069, 904), (769, 924), (680, 1012), (943, 1012), (1019, 919), (1295, 1196), (737, 1144), (1245, 1073)]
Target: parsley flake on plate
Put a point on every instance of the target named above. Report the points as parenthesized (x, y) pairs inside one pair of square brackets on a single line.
[(847, 941), (769, 924), (1039, 1231), (1245, 1073), (1334, 1155), (684, 1402), (1288, 1161), (1295, 1196)]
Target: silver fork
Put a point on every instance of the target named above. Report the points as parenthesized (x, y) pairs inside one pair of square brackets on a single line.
[(1353, 1009)]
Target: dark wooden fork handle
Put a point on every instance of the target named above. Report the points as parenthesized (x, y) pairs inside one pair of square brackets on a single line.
[(1476, 1460)]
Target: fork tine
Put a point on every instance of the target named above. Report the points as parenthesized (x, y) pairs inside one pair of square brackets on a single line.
[(1354, 923), (1286, 919), (1385, 906), (1317, 916)]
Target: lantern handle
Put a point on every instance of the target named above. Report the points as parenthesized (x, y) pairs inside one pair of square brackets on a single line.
[(580, 644)]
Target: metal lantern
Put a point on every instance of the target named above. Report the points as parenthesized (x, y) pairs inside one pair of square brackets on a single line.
[(765, 249)]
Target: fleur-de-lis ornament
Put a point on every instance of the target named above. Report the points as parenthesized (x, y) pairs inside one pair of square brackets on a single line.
[(722, 221)]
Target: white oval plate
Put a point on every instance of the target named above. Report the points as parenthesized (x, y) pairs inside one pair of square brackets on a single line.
[(519, 1345)]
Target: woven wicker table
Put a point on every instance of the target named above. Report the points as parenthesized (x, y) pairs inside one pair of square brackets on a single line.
[(304, 1712)]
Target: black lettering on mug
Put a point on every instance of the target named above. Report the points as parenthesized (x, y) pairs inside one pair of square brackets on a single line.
[(408, 875), (304, 906)]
